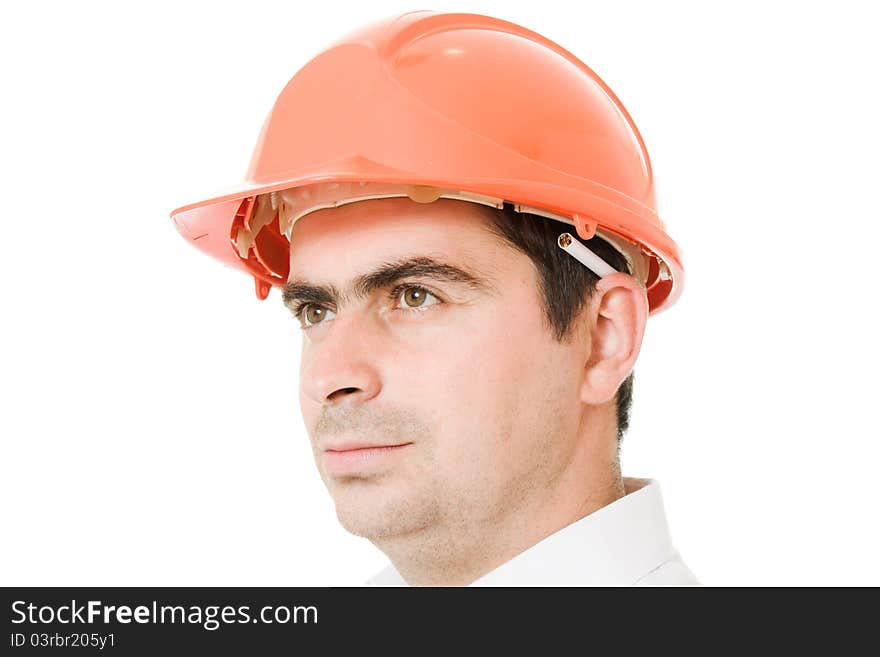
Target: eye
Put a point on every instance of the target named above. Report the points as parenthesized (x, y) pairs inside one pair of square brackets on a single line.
[(415, 297), (411, 299), (310, 314)]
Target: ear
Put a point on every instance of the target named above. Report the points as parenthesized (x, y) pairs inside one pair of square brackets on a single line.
[(617, 314)]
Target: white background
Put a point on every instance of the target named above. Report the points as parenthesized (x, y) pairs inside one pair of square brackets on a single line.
[(151, 432)]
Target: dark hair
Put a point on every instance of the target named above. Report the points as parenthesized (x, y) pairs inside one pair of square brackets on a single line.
[(566, 285)]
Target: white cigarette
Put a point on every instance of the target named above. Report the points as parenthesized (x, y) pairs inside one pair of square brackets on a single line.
[(583, 255)]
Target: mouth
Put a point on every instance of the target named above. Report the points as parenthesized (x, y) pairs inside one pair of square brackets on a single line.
[(351, 458), (353, 447)]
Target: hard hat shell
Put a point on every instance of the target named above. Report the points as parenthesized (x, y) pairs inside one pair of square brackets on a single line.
[(454, 101)]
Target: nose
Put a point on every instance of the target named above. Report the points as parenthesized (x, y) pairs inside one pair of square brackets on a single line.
[(340, 368)]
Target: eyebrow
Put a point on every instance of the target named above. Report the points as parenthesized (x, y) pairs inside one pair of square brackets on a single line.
[(388, 273)]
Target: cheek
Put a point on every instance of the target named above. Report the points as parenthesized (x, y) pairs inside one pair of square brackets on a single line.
[(485, 380)]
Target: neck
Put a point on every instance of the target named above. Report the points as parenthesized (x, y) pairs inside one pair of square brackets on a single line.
[(458, 552)]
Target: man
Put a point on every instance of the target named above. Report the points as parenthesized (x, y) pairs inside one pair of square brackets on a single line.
[(472, 262)]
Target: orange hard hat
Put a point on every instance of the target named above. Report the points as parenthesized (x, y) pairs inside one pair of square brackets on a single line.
[(455, 105)]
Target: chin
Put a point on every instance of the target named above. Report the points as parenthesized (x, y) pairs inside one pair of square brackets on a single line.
[(377, 516)]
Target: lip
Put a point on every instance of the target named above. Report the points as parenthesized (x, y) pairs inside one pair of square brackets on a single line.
[(352, 446), (349, 458)]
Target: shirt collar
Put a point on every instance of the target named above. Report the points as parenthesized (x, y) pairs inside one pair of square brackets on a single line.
[(614, 545)]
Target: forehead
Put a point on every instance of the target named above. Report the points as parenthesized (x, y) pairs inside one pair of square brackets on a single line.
[(369, 230)]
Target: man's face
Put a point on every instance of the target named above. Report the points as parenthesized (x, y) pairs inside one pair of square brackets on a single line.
[(452, 363)]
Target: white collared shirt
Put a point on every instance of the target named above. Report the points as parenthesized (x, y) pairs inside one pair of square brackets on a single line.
[(625, 543)]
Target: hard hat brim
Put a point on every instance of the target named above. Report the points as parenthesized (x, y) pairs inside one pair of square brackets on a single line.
[(202, 222)]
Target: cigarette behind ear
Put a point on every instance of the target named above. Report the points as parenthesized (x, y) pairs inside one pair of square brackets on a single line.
[(583, 255)]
